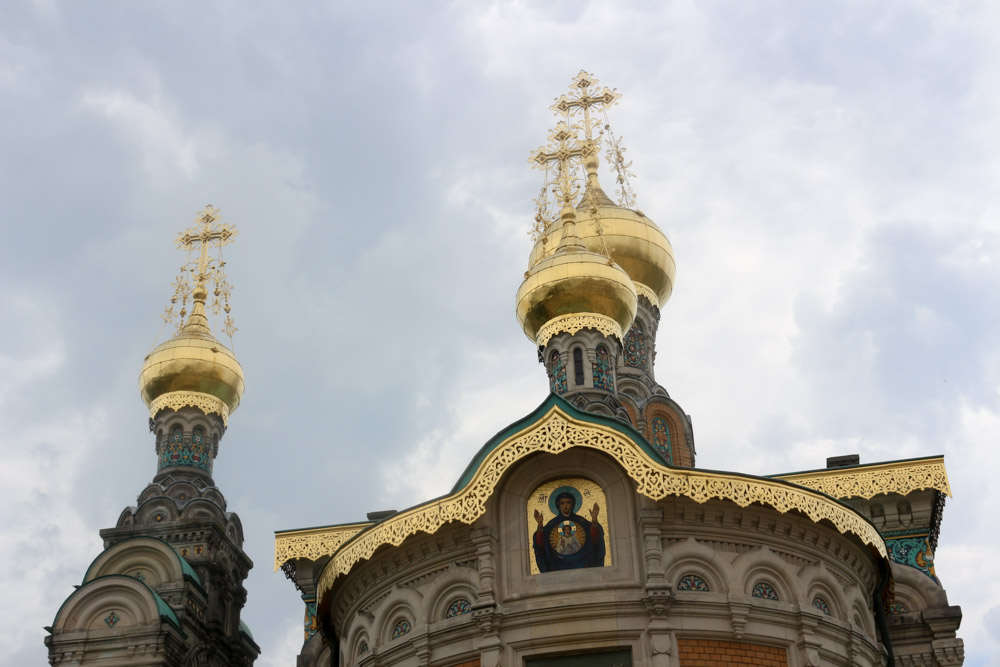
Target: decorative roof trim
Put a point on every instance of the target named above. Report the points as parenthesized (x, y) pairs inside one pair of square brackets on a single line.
[(868, 481), (556, 431), (572, 323), (312, 543), (175, 400), (646, 291)]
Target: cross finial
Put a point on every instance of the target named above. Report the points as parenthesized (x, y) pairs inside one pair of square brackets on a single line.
[(584, 95), (207, 233), (563, 148)]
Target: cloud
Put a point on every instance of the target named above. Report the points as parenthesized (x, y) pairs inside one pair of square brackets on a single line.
[(164, 146)]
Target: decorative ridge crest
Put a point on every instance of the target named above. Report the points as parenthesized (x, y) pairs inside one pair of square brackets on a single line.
[(867, 481), (175, 400), (312, 543), (555, 432), (572, 323)]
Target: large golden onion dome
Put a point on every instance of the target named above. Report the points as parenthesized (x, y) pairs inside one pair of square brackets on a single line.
[(192, 368), (633, 241), (574, 288)]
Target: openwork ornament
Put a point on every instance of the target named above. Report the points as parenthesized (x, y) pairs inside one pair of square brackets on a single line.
[(902, 477), (175, 400), (557, 432), (572, 323), (313, 543)]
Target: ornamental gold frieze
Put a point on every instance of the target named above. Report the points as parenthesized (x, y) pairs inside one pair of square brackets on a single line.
[(573, 323), (866, 482), (557, 432), (651, 296), (312, 543), (176, 400)]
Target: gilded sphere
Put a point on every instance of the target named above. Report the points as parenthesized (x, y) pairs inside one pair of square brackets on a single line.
[(574, 282), (193, 361), (633, 241)]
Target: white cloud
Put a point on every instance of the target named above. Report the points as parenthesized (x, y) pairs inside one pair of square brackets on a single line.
[(162, 142)]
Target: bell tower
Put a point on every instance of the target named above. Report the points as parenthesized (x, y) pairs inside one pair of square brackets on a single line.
[(168, 587)]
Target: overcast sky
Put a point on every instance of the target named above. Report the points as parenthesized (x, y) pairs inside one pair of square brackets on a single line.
[(827, 173)]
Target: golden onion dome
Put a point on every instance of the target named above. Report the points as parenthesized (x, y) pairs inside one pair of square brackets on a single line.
[(192, 368), (633, 241), (574, 288)]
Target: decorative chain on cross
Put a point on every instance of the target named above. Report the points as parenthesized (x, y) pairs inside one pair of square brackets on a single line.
[(616, 157), (208, 233)]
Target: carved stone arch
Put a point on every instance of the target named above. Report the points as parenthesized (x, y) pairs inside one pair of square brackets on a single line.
[(400, 603), (630, 386), (234, 528), (203, 508), (630, 408), (126, 518), (861, 617), (818, 581), (915, 590), (182, 491), (762, 564), (599, 408), (454, 583), (157, 510), (153, 491), (150, 560), (120, 599), (361, 633), (692, 557)]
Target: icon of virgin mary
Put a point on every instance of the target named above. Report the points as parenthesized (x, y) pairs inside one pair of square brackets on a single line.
[(568, 541)]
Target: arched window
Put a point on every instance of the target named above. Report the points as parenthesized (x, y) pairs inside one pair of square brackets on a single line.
[(578, 366), (764, 590), (692, 582), (603, 373), (401, 628), (821, 604), (458, 607), (557, 373), (635, 347), (661, 439)]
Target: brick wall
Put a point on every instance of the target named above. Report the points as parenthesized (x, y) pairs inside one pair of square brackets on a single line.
[(710, 652)]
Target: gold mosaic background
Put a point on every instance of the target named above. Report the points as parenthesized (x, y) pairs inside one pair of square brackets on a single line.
[(591, 492)]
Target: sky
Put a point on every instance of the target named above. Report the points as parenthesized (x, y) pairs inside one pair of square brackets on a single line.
[(827, 173)]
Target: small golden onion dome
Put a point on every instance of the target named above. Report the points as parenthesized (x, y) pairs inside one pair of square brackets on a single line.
[(632, 240), (577, 286), (193, 362)]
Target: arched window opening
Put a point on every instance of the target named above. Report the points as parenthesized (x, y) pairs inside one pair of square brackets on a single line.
[(578, 366)]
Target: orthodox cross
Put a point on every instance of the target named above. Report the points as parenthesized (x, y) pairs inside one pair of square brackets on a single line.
[(563, 147), (207, 233), (584, 95)]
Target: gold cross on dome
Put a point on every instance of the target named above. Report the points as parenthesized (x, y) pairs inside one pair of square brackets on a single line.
[(584, 95), (563, 148), (208, 233)]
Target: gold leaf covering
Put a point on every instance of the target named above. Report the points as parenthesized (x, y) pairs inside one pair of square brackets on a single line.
[(556, 432), (868, 481)]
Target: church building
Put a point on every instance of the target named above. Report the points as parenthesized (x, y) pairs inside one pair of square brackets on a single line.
[(582, 534)]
